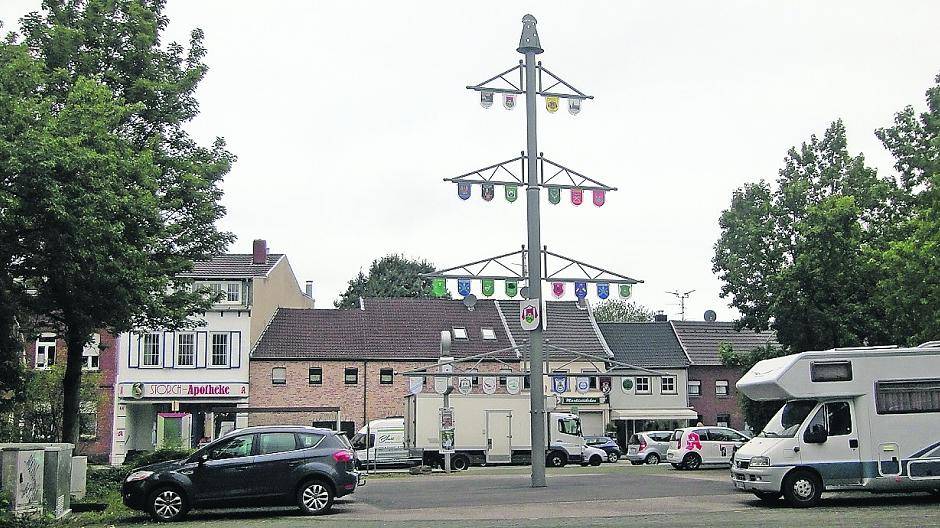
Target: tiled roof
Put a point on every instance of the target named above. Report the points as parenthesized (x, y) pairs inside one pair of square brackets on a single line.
[(652, 344), (386, 329), (232, 266), (568, 326), (701, 339)]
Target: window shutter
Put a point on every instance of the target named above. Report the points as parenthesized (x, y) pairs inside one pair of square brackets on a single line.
[(235, 349), (133, 350)]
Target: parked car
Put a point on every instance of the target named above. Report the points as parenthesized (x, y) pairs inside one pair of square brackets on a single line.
[(306, 466), (648, 447), (607, 444), (693, 446), (593, 456)]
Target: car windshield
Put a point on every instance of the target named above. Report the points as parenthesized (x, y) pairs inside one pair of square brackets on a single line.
[(785, 423)]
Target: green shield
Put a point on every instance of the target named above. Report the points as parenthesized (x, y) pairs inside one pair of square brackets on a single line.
[(554, 195), (488, 287)]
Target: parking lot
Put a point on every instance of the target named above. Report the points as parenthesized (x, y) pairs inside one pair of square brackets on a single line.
[(610, 495)]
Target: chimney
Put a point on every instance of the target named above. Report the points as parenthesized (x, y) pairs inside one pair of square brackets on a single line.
[(259, 251), (308, 289), (660, 317)]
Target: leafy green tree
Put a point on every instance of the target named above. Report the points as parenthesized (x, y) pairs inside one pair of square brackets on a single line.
[(389, 276), (620, 311), (756, 413), (104, 197), (37, 417), (911, 262), (801, 258)]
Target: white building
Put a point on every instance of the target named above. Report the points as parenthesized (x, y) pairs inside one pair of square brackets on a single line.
[(169, 383)]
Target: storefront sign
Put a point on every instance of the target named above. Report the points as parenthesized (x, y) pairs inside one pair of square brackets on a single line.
[(142, 390), (579, 400)]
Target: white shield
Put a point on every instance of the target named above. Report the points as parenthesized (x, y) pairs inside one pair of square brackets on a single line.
[(513, 384), (489, 385), (415, 384), (574, 106), (486, 99), (509, 101), (464, 385), (583, 384), (441, 383)]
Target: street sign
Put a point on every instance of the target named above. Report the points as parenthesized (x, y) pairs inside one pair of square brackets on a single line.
[(447, 429), (530, 314)]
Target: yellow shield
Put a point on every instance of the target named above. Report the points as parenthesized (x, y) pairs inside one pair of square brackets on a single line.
[(551, 104)]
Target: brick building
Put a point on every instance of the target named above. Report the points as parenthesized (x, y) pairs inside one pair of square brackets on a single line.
[(100, 358), (711, 384)]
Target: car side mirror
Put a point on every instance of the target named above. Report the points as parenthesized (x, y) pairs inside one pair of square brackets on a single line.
[(816, 435), (201, 459)]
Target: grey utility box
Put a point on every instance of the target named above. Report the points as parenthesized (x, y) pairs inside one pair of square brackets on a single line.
[(21, 477), (57, 478), (79, 477)]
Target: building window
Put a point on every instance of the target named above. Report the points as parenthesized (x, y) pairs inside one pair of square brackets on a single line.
[(460, 333), (233, 292), (592, 381), (695, 388), (45, 351), (88, 423), (151, 350), (643, 385), (279, 376), (315, 376), (91, 354), (488, 334), (386, 376), (502, 379), (219, 350), (474, 380), (721, 387), (351, 376), (668, 384), (723, 420), (186, 350)]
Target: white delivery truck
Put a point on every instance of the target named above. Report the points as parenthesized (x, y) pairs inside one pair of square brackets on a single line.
[(488, 429), (855, 419), (382, 443)]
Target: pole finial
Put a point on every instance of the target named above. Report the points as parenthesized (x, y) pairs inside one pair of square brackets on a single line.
[(529, 41)]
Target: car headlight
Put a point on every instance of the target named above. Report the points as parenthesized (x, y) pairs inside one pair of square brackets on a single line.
[(138, 475), (760, 461)]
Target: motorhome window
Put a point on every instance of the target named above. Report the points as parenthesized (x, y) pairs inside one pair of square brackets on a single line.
[(907, 396), (788, 419), (570, 426), (839, 417), (831, 371)]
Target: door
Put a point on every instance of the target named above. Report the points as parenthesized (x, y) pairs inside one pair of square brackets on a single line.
[(726, 441), (568, 436), (498, 436), (592, 422), (227, 471), (276, 457), (837, 458)]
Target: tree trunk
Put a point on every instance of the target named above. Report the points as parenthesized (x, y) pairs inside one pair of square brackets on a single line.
[(71, 386)]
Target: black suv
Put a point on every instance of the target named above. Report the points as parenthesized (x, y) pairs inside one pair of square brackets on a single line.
[(306, 466)]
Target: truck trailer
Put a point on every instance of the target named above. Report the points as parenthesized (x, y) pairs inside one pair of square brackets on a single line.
[(855, 419), (488, 429)]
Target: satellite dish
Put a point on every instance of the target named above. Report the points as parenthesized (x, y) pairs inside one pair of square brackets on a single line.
[(470, 301), (711, 316), (524, 292)]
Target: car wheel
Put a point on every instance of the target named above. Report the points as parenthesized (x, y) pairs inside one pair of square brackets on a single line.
[(768, 497), (802, 489), (459, 463), (556, 459), (315, 497), (692, 461), (167, 505), (613, 457), (652, 459)]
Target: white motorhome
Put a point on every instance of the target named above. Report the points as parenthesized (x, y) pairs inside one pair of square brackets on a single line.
[(382, 443), (855, 419), (488, 429)]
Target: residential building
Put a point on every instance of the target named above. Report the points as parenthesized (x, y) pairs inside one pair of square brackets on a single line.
[(99, 358), (711, 384), (170, 382), (650, 394)]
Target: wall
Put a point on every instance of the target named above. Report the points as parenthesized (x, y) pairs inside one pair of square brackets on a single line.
[(708, 405), (279, 289), (656, 399)]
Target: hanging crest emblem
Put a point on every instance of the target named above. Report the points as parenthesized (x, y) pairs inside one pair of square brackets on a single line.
[(509, 101), (512, 288), (551, 104), (438, 287), (463, 190), (577, 196), (463, 287), (488, 287), (512, 192), (598, 195), (603, 290), (488, 192), (625, 291), (558, 289), (574, 106), (554, 195), (580, 290), (486, 99)]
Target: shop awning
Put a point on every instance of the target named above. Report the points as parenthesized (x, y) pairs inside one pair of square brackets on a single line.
[(654, 414)]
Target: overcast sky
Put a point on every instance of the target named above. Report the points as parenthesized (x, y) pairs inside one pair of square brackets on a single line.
[(346, 115)]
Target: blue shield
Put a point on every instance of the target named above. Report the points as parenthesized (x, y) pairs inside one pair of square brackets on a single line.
[(559, 384), (580, 290), (463, 190), (463, 287), (603, 290)]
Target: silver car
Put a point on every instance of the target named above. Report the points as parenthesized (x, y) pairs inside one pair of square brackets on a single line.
[(648, 447)]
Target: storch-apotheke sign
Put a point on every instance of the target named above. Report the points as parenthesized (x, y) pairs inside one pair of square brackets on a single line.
[(142, 390)]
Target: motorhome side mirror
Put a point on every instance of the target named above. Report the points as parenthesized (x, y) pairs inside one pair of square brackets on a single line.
[(816, 435)]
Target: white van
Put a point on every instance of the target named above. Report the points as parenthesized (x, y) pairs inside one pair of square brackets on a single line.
[(855, 419), (693, 446), (382, 443)]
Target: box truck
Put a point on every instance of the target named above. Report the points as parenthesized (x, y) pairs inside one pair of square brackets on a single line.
[(855, 419), (488, 429)]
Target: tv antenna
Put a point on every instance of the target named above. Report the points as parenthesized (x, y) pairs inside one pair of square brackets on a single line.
[(682, 296)]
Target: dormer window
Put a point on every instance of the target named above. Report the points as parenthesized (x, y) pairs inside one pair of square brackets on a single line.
[(460, 333), (226, 292), (233, 292), (488, 334)]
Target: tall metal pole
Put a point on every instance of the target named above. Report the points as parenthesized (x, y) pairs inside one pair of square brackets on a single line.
[(530, 47)]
